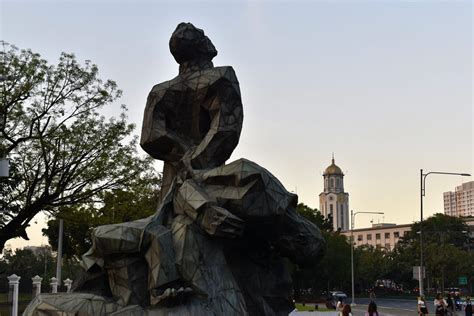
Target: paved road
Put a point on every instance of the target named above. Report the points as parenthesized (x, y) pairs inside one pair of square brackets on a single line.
[(391, 307), (386, 307)]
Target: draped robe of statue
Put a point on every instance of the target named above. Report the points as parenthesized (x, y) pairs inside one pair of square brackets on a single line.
[(217, 243)]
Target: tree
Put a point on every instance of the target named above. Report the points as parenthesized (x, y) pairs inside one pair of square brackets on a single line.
[(372, 264), (62, 151), (452, 229), (445, 263), (333, 270), (445, 256), (27, 263), (314, 216), (138, 200)]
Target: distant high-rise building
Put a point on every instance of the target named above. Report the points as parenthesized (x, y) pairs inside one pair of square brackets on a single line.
[(461, 201), (333, 201)]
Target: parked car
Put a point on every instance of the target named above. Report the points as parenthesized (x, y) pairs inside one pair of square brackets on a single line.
[(453, 290), (338, 294)]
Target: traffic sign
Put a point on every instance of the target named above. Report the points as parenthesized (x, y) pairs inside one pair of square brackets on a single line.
[(462, 280), (416, 272)]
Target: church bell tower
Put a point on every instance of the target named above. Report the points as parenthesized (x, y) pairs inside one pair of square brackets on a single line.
[(333, 201)]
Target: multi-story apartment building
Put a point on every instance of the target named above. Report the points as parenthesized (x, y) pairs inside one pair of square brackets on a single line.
[(461, 201)]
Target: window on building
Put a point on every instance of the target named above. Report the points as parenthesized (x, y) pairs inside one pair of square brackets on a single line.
[(387, 235), (369, 237), (387, 246), (377, 236), (359, 237), (331, 208), (337, 183), (396, 234), (332, 183)]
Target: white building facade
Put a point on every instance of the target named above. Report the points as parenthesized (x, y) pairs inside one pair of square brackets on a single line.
[(333, 201), (384, 235), (460, 202)]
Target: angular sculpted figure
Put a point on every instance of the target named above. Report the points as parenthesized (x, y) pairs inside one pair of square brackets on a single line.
[(217, 243)]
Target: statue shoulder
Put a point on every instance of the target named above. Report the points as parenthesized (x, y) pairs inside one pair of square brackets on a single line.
[(195, 80), (159, 90), (227, 72), (163, 86)]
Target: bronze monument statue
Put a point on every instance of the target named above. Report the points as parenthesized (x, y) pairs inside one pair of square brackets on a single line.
[(217, 242)]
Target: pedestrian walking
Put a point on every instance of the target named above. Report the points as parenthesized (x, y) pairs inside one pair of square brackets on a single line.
[(440, 305), (422, 307), (372, 295), (346, 310), (468, 307), (372, 309), (340, 304), (457, 302), (449, 305)]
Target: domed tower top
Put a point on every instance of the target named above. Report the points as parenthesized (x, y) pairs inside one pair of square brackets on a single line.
[(333, 169), (333, 178)]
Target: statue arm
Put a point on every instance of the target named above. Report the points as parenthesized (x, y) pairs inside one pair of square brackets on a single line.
[(225, 109), (193, 201), (156, 139)]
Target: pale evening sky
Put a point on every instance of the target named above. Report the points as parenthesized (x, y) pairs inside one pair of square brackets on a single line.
[(385, 85)]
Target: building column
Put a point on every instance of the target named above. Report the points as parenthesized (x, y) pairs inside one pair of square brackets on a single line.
[(68, 284), (36, 285), (54, 285), (14, 280)]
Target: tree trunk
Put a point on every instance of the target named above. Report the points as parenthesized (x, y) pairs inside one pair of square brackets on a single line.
[(16, 227)]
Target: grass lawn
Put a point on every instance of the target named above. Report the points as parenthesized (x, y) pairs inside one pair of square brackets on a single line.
[(310, 307), (22, 297), (23, 300)]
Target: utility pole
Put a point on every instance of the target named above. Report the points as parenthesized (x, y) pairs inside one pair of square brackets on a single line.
[(60, 252), (422, 194)]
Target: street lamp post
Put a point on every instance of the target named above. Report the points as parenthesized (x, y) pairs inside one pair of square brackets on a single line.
[(352, 247), (422, 194)]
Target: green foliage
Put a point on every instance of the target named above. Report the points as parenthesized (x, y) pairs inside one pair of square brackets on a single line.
[(436, 229), (370, 264), (310, 307), (27, 263), (333, 270), (444, 251), (63, 153), (137, 201), (331, 273), (445, 257), (314, 216)]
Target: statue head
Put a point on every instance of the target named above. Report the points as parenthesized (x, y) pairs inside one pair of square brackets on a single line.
[(188, 43)]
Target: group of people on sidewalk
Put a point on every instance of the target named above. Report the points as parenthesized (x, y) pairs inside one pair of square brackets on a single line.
[(345, 309), (443, 307)]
